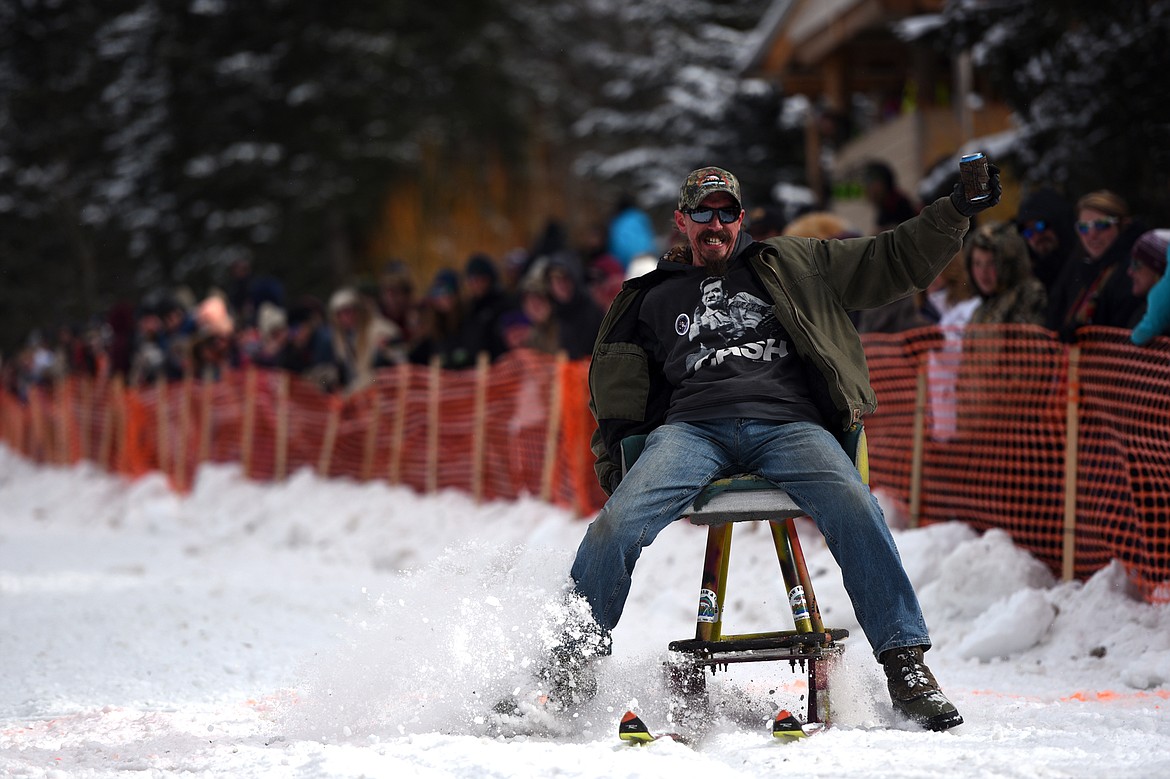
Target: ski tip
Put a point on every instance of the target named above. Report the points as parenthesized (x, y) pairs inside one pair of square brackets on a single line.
[(786, 726), (633, 730)]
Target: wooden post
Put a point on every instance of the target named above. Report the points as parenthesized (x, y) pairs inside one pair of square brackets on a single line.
[(280, 470), (162, 418), (6, 417), (40, 437), (248, 421), (916, 457), (85, 419), (7, 420), (106, 430), (1071, 444), (184, 433), (20, 426), (433, 420), (62, 398), (206, 416), (371, 442), (553, 431), (106, 434), (122, 418), (325, 460), (479, 425), (398, 435)]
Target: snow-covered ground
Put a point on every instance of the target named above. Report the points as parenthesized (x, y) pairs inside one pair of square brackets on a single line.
[(328, 629)]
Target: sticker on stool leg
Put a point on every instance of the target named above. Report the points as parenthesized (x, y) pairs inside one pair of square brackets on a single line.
[(708, 606)]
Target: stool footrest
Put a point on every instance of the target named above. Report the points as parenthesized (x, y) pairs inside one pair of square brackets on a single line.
[(787, 641)]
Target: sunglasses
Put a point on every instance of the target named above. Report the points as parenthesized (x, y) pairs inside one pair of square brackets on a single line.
[(1084, 228), (704, 215), (1035, 228)]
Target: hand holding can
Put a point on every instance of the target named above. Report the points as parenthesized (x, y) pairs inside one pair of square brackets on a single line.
[(975, 176), (978, 187)]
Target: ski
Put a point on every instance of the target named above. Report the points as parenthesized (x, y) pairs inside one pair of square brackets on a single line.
[(787, 727), (632, 730)]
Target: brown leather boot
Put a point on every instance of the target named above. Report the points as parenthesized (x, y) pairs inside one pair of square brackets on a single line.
[(914, 690)]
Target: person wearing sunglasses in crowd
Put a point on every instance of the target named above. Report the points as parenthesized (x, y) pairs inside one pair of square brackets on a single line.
[(1093, 289), (771, 396), (1047, 223)]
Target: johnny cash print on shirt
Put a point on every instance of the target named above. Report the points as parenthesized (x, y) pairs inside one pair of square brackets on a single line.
[(723, 350)]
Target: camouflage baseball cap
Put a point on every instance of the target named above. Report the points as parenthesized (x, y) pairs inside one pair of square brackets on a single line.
[(705, 181)]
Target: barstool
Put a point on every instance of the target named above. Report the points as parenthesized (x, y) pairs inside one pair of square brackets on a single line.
[(808, 644)]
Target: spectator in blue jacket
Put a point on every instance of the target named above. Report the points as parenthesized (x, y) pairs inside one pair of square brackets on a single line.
[(1147, 270), (630, 233)]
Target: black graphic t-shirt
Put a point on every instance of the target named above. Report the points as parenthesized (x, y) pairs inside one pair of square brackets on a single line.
[(723, 350)]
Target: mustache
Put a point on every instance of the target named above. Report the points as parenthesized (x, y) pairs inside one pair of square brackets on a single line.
[(723, 235)]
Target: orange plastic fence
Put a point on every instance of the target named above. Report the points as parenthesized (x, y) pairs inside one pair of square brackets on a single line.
[(1067, 449), (518, 427)]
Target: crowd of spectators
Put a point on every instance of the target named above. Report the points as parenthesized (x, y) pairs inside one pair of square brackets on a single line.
[(1057, 264), (550, 298)]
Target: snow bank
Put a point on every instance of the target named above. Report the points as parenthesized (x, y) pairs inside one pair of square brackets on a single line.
[(327, 628)]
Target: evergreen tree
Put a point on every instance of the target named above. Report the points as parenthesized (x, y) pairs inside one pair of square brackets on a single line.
[(646, 91), (1084, 79), (145, 143), (58, 177)]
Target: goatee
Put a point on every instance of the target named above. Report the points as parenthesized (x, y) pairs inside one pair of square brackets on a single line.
[(716, 266)]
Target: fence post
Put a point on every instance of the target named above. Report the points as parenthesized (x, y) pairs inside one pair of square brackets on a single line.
[(556, 401), (122, 420), (206, 413), (479, 425), (85, 418), (6, 418), (62, 400), (1072, 431), (184, 432), (162, 419), (248, 420), (433, 422), (916, 456), (14, 425), (282, 421), (371, 442), (36, 450), (326, 457), (398, 433), (106, 433)]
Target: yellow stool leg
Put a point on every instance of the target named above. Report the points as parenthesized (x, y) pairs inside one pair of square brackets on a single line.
[(796, 578), (709, 624)]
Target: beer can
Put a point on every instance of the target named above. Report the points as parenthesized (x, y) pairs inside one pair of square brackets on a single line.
[(976, 177)]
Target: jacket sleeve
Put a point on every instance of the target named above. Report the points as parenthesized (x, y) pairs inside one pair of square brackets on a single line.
[(628, 396), (1156, 320), (628, 393), (609, 472), (873, 271)]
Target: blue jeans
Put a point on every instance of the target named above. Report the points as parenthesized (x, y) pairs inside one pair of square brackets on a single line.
[(804, 458)]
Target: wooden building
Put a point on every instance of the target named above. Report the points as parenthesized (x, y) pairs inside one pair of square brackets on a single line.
[(877, 91)]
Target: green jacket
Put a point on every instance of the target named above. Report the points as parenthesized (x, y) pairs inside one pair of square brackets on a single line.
[(813, 285)]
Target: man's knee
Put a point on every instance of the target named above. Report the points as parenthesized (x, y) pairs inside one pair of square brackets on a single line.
[(601, 528)]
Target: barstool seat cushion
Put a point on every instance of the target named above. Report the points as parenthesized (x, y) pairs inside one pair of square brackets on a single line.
[(741, 498)]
